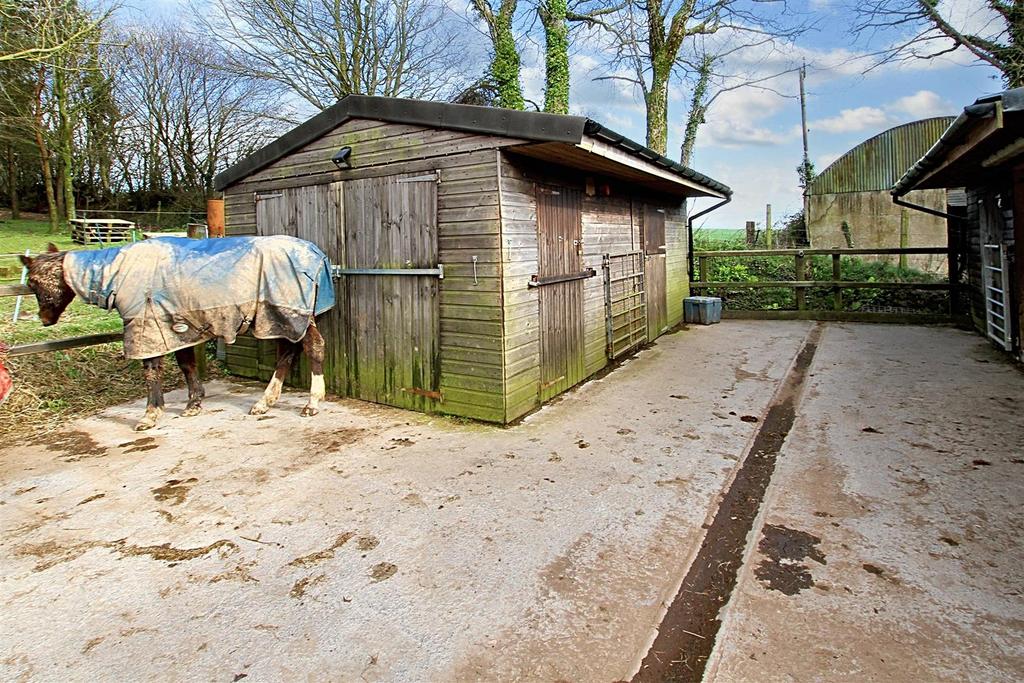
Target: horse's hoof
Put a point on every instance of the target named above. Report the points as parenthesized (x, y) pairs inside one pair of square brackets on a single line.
[(259, 408), (309, 412), (144, 425), (191, 411)]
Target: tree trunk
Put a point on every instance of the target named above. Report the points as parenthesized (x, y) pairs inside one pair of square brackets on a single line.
[(556, 76), (505, 65), (12, 183), (698, 107), (65, 146), (657, 111), (44, 153)]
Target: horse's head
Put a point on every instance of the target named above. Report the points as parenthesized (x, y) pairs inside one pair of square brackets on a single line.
[(46, 280)]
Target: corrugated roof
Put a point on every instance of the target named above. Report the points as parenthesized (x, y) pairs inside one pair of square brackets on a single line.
[(1008, 101), (533, 126), (877, 163)]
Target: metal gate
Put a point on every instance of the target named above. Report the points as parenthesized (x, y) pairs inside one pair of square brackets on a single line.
[(997, 295), (625, 302)]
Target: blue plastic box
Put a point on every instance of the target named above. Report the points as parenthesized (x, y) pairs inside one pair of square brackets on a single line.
[(703, 310)]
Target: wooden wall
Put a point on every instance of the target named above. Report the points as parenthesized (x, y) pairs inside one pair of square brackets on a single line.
[(472, 317), (611, 224)]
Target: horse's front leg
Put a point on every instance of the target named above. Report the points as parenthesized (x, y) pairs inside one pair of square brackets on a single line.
[(286, 353), (313, 345), (187, 362), (152, 371)]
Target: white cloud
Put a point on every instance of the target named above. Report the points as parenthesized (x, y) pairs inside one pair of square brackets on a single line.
[(921, 105), (851, 121), (738, 119)]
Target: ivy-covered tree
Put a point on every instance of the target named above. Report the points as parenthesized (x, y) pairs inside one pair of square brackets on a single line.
[(505, 63)]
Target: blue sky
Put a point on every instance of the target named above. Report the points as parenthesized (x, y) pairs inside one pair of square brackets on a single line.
[(751, 140)]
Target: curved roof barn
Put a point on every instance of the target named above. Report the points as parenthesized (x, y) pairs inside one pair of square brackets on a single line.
[(879, 162)]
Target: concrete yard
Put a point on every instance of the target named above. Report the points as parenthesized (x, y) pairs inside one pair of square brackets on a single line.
[(370, 543)]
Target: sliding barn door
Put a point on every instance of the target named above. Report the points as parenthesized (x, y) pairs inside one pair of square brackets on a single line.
[(313, 213), (393, 328), (560, 264)]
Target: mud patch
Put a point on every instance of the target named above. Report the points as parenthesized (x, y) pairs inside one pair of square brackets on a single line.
[(166, 553), (366, 543), (785, 549), (71, 446), (325, 554), (146, 443), (92, 498), (304, 584), (174, 491), (382, 571), (338, 438), (51, 553)]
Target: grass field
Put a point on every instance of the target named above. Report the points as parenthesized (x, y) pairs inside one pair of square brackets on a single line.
[(79, 319), (51, 388)]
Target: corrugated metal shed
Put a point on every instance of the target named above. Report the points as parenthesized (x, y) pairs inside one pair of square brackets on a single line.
[(877, 163)]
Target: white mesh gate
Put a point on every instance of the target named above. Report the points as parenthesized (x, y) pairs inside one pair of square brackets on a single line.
[(997, 298)]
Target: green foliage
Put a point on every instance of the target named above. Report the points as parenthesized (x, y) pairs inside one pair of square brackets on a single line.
[(556, 59), (768, 268), (505, 64)]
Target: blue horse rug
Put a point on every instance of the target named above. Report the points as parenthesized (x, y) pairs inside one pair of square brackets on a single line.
[(174, 292)]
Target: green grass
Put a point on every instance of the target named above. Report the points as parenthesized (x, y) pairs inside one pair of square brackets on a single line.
[(79, 319)]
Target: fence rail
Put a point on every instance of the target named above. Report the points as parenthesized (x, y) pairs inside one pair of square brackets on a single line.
[(836, 284), (55, 344)]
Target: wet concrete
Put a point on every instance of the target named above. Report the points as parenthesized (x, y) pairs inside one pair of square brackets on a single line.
[(375, 544), (901, 559)]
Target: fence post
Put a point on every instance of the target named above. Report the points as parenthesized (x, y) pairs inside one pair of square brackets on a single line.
[(801, 292), (751, 233), (904, 235), (837, 274), (768, 226)]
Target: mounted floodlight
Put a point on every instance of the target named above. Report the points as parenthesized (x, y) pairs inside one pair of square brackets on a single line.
[(342, 159)]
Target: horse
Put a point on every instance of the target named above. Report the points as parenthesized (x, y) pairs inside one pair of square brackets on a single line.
[(175, 293)]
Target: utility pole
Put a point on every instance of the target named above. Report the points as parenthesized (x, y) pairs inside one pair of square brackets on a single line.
[(803, 128)]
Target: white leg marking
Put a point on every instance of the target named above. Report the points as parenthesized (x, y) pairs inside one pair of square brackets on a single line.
[(150, 419), (270, 396), (317, 391)]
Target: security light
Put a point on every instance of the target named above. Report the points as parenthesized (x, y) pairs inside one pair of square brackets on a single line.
[(341, 158)]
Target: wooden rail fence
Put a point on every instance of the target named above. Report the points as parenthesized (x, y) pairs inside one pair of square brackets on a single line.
[(55, 344), (836, 284)]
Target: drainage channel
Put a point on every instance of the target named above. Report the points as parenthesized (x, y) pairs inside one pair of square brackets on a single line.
[(687, 633)]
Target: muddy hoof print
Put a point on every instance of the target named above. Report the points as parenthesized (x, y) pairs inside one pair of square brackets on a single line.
[(144, 425), (309, 412)]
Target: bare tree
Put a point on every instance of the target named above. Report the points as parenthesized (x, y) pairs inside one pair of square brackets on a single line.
[(185, 117), (45, 23), (649, 36), (926, 29), (322, 50)]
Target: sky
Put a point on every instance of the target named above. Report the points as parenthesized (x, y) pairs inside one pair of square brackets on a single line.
[(751, 140)]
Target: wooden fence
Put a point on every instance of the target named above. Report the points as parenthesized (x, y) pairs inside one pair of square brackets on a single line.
[(54, 344), (836, 284)]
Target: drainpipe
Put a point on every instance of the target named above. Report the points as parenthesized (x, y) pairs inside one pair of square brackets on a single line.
[(935, 212), (689, 232)]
